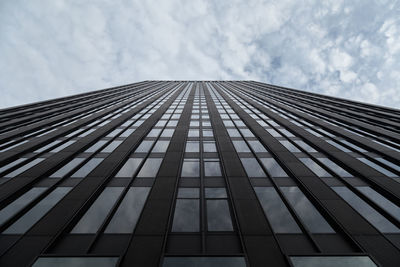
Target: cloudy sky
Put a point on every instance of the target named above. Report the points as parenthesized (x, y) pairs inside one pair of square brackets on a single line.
[(53, 48)]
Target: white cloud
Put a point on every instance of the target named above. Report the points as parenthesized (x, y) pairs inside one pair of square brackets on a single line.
[(54, 48)]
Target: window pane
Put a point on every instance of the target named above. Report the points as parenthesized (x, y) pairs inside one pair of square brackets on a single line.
[(305, 146), (204, 262), (215, 193), (209, 147), (306, 210), (290, 146), (212, 168), (67, 168), (241, 146), (150, 167), (192, 146), (218, 216), (87, 168), (252, 168), (194, 133), (96, 214), (127, 215), (144, 147), (129, 167), (315, 167), (276, 211), (96, 146), (273, 168), (334, 167), (233, 133), (37, 212), (191, 168), (160, 147), (246, 133), (188, 193), (377, 167), (207, 133), (21, 202), (257, 147), (369, 213), (186, 217), (154, 133), (329, 261), (75, 261), (110, 148), (24, 168), (167, 133)]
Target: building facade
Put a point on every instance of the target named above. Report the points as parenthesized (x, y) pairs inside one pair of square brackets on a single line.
[(182, 173)]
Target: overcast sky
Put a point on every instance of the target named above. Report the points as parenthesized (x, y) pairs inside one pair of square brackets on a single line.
[(53, 48)]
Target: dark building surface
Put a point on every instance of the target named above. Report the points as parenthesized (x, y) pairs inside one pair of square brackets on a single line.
[(171, 173)]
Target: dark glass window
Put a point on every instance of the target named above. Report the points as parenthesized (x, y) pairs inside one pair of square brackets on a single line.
[(94, 217), (335, 168), (328, 261), (192, 146), (215, 192), (37, 212), (188, 193), (252, 168), (257, 147), (167, 133), (209, 146), (160, 147), (127, 215), (193, 133), (212, 167), (75, 261), (96, 146), (204, 262), (24, 168), (87, 168), (315, 167), (67, 168), (144, 147), (113, 145), (150, 167), (191, 168), (187, 216), (273, 168), (290, 146), (241, 146), (129, 168), (218, 216)]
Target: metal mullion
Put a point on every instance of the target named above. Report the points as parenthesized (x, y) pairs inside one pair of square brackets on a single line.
[(203, 219)]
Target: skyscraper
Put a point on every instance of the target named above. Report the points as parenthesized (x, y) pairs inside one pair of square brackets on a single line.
[(182, 173)]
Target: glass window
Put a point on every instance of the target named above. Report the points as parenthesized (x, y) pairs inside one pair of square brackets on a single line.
[(87, 168), (344, 149), (257, 147), (192, 146), (191, 168), (24, 168), (186, 216), (228, 123), (233, 133), (369, 213), (388, 163), (96, 146), (218, 216), (252, 168), (215, 192), (127, 215), (21, 202), (154, 133), (306, 210), (204, 262), (11, 164), (95, 215), (240, 146), (315, 168), (277, 213), (273, 133), (246, 133), (194, 124), (193, 133), (273, 168), (209, 146), (335, 168), (328, 261), (37, 212), (172, 123), (168, 133), (377, 167), (160, 147), (110, 148), (61, 147), (67, 168), (129, 168), (188, 193), (114, 133), (305, 146), (127, 133), (76, 261), (150, 167), (289, 146), (207, 133), (212, 168), (144, 146)]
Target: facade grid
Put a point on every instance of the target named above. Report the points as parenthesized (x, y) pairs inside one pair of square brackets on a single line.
[(199, 173)]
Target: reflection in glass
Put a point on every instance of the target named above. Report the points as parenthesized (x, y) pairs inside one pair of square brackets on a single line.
[(127, 215), (192, 146), (21, 202), (233, 133), (150, 167), (377, 167), (75, 261), (277, 213), (193, 133), (241, 146), (160, 147), (257, 147), (204, 262), (24, 168), (252, 168), (315, 167), (67, 168), (273, 168), (289, 146), (87, 168), (207, 133), (305, 146), (218, 216), (95, 215), (191, 168), (330, 261), (188, 192), (306, 210), (96, 146), (212, 168), (167, 133), (37, 212), (110, 148), (216, 192), (129, 167), (334, 167), (209, 146), (369, 213), (154, 133), (144, 147), (186, 217)]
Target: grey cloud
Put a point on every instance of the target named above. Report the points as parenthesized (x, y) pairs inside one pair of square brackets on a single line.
[(56, 48)]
